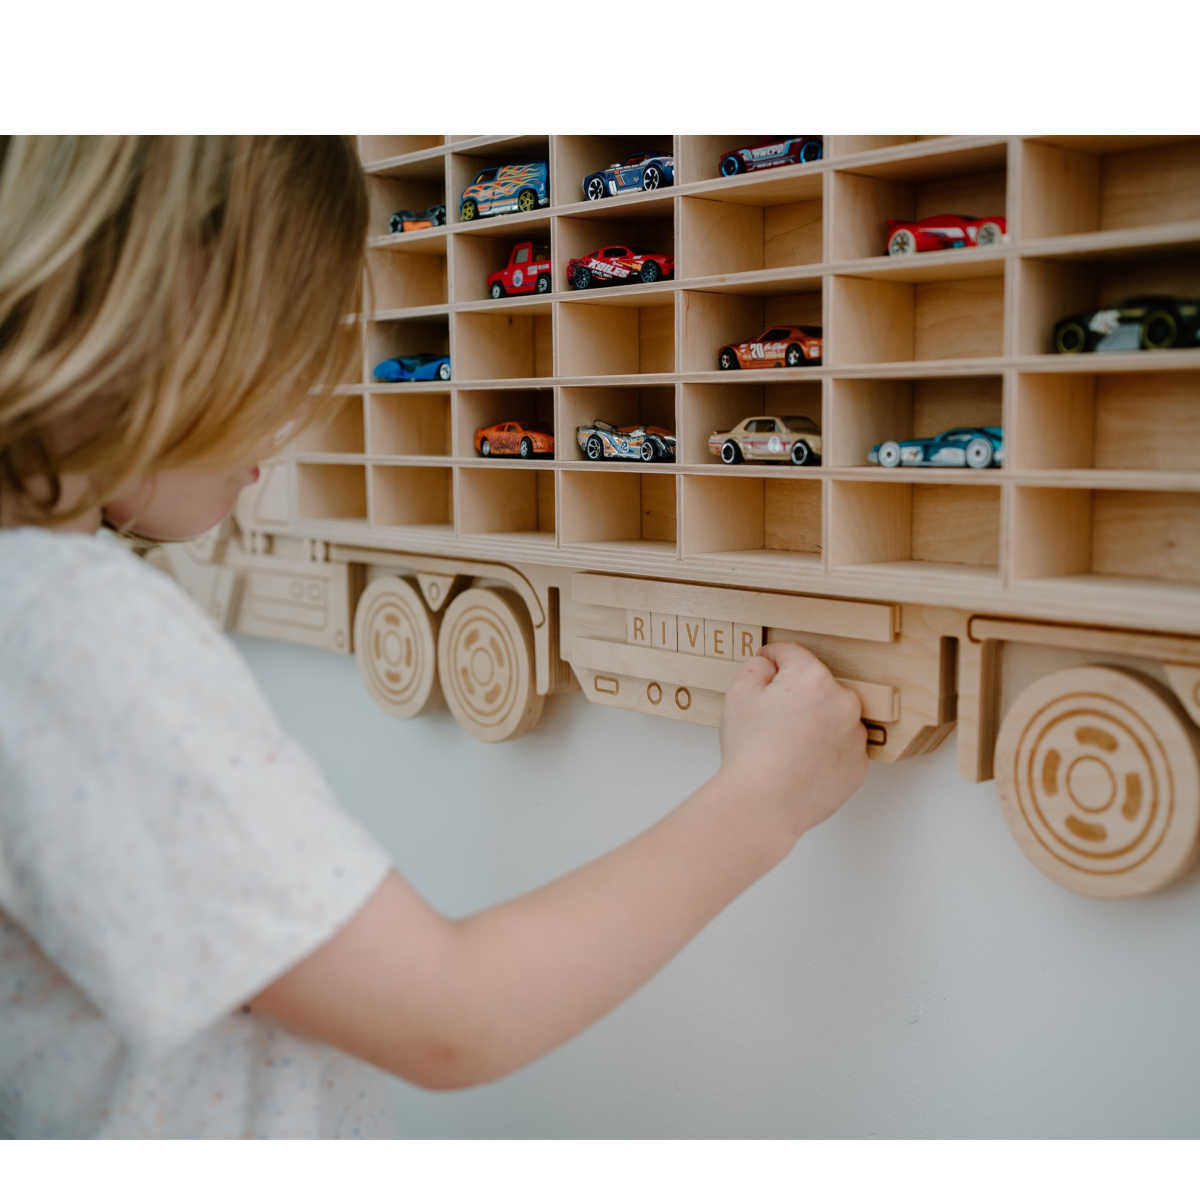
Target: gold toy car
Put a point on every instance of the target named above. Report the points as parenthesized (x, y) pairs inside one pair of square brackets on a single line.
[(770, 439)]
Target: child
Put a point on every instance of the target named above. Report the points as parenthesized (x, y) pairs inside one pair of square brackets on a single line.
[(194, 939)]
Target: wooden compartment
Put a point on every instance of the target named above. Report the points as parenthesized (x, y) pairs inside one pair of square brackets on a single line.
[(463, 167), (1051, 287), (415, 497), (479, 251), (622, 331), (615, 405), (700, 154), (882, 319), (865, 412), (377, 149), (331, 491), (399, 337), (707, 408), (577, 156), (648, 225), (842, 145), (863, 199), (417, 189), (618, 510), (408, 273), (341, 432), (508, 344), (714, 317), (766, 224), (753, 520), (1137, 421), (479, 409), (1090, 184), (1100, 536), (518, 504), (945, 532), (413, 425)]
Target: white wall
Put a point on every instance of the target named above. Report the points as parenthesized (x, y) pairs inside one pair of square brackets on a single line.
[(906, 973)]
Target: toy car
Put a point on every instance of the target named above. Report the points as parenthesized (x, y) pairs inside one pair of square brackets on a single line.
[(969, 446), (406, 219), (497, 190), (639, 172), (781, 345), (946, 231), (619, 264), (649, 443), (514, 437), (1139, 323), (528, 270), (770, 439), (781, 152), (413, 367)]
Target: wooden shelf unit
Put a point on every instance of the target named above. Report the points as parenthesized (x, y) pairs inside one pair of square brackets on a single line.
[(1103, 462)]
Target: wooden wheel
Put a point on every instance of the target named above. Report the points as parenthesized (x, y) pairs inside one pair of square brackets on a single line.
[(1098, 778), (486, 665), (395, 641)]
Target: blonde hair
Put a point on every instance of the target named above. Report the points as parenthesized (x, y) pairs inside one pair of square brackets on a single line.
[(167, 301)]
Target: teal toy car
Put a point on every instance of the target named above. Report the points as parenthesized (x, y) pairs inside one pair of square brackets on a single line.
[(976, 446)]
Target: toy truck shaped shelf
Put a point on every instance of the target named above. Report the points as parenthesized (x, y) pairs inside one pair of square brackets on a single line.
[(1048, 610)]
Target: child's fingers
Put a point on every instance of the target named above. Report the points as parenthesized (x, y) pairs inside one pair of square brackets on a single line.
[(757, 673), (788, 655)]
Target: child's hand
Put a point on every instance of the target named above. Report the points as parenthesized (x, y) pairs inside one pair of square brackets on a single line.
[(793, 739)]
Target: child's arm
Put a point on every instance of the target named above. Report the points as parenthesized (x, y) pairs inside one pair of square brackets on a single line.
[(448, 1004)]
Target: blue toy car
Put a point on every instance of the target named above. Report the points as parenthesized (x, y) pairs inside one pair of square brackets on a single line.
[(642, 172), (522, 187), (969, 446), (781, 152), (413, 367)]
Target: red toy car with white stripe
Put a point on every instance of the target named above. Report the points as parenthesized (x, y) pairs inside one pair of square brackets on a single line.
[(619, 264), (528, 270), (945, 231)]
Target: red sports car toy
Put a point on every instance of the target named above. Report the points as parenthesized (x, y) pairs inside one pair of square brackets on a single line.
[(619, 264), (945, 231), (514, 437), (779, 346)]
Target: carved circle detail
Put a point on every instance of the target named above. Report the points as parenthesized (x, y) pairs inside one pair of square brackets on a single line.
[(1097, 774), (395, 640), (486, 665)]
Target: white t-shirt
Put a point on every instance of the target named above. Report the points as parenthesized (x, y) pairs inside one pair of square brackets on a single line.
[(165, 852)]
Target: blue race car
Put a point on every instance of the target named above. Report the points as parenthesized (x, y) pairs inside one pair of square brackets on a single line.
[(969, 446), (781, 152), (639, 172), (413, 367)]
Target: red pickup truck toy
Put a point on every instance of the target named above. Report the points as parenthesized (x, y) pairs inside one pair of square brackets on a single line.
[(528, 270)]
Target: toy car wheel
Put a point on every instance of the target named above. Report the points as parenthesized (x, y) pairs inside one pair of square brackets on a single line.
[(889, 454), (497, 291), (810, 151), (651, 178), (1160, 330), (651, 272), (990, 234), (527, 200), (1070, 337), (526, 450), (485, 448), (594, 188), (543, 285), (731, 165), (469, 210), (594, 448), (395, 640), (444, 372), (793, 356), (801, 453), (980, 453), (731, 453), (581, 278), (902, 241), (727, 360), (395, 223), (648, 451)]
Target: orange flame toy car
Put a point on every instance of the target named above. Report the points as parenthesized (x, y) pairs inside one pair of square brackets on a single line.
[(779, 346), (514, 438)]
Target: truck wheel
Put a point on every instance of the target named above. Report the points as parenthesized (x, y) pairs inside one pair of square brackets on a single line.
[(543, 285), (486, 665), (526, 200), (1098, 778), (395, 639), (469, 210), (497, 291)]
